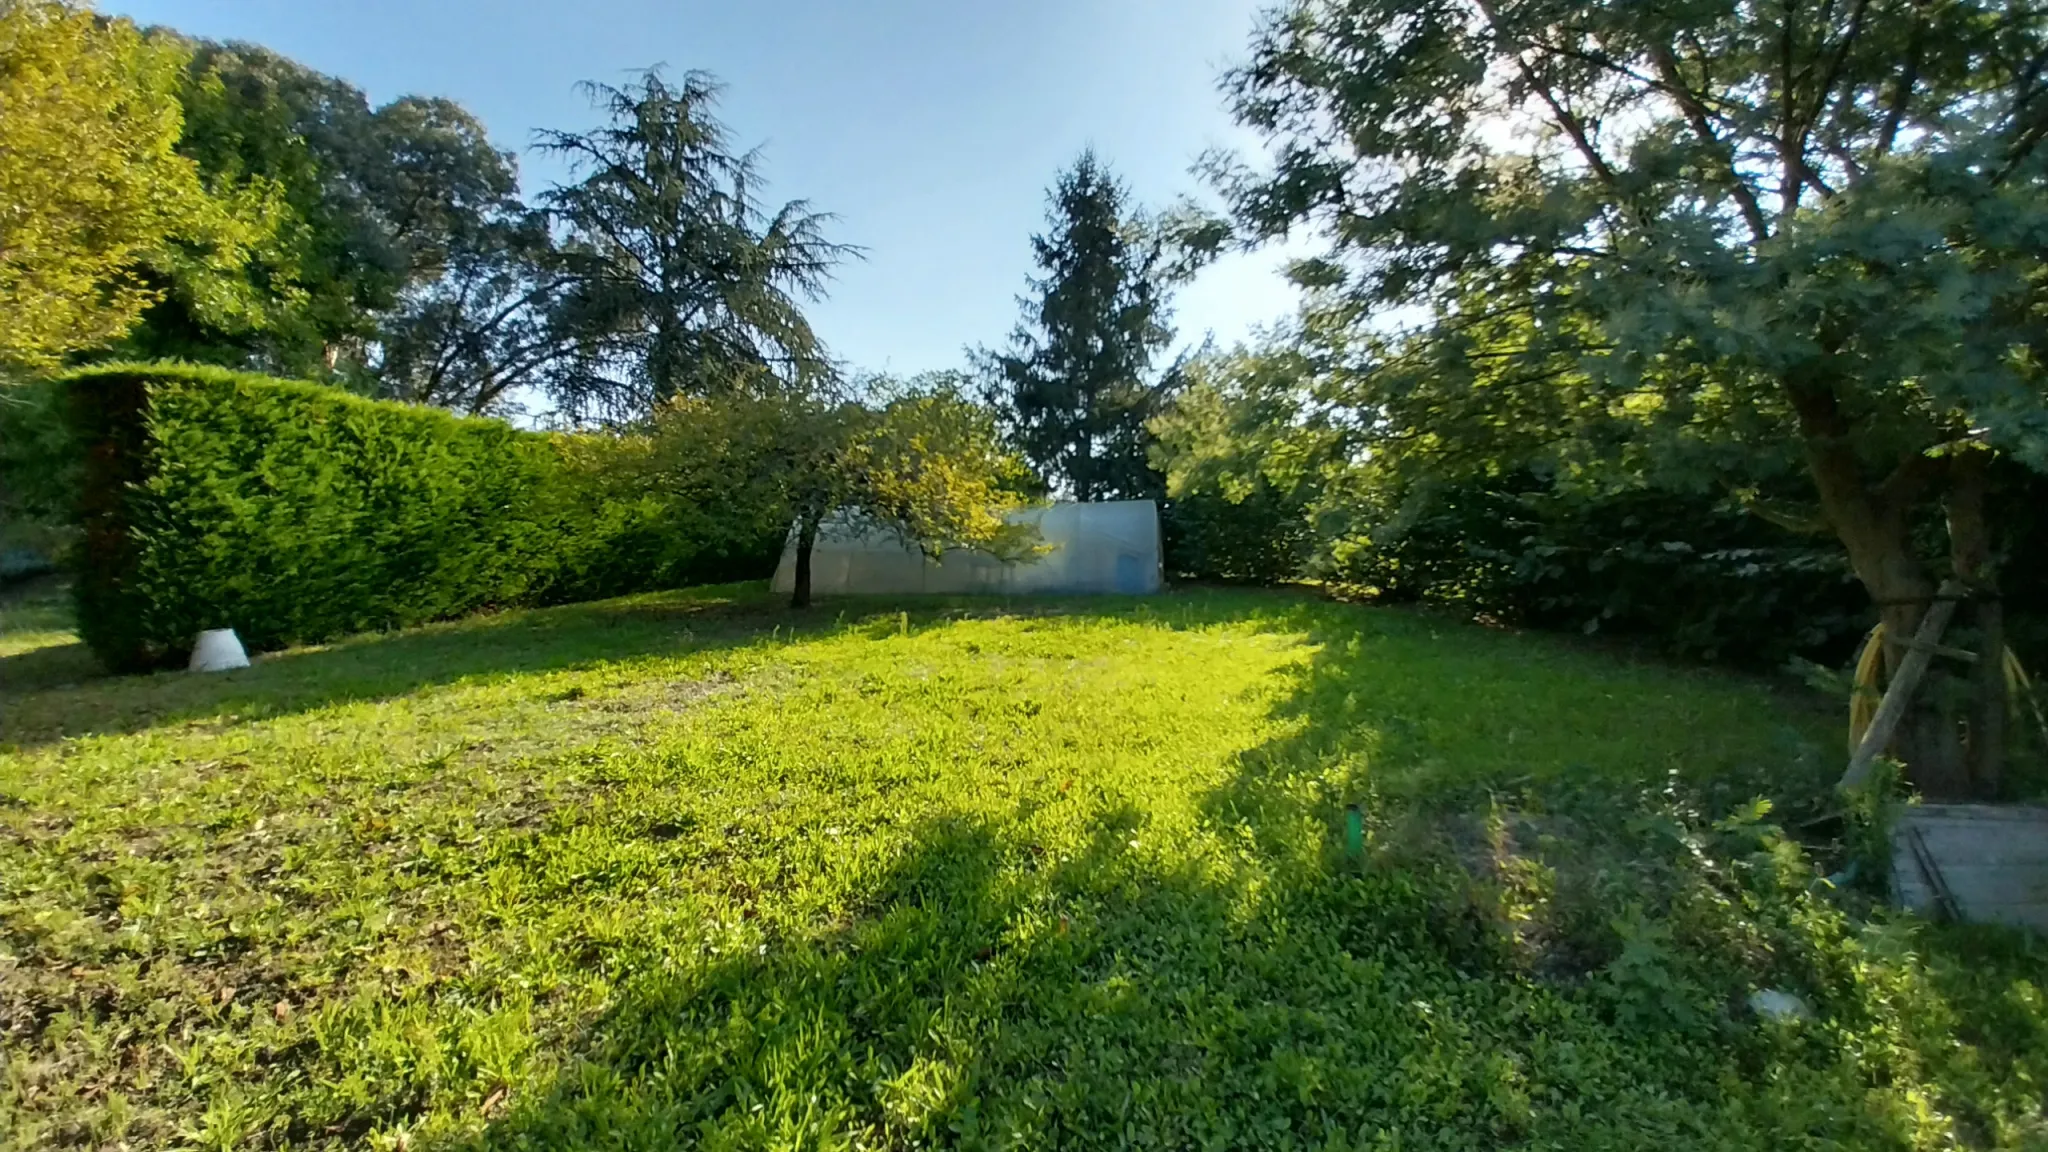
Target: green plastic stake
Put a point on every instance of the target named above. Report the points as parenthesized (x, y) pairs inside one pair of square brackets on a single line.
[(1354, 832)]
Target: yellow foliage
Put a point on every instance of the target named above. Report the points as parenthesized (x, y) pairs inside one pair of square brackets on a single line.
[(926, 464), (1868, 691), (96, 206)]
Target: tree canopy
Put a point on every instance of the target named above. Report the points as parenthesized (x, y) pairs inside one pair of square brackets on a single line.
[(917, 459), (1710, 242), (1077, 382), (676, 275), (380, 203), (484, 326), (236, 207), (98, 210)]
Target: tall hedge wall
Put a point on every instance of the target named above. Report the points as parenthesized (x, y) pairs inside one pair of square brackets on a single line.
[(294, 513)]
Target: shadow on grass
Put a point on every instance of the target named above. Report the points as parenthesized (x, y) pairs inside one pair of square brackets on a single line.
[(1259, 988), (1248, 984), (989, 993), (1440, 711), (56, 692), (63, 665), (53, 693), (1414, 710), (986, 994)]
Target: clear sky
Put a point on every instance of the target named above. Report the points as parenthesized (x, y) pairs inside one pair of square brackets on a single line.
[(930, 127)]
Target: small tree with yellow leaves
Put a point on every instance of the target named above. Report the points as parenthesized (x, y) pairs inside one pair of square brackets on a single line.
[(924, 462)]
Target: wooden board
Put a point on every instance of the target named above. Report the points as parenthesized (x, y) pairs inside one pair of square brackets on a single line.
[(1992, 862)]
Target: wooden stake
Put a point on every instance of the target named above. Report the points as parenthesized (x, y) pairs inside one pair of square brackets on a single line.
[(1899, 695)]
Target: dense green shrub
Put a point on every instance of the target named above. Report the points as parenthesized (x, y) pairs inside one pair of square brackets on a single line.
[(1695, 576), (294, 513), (1262, 539), (1691, 574), (634, 530), (38, 477), (1528, 517)]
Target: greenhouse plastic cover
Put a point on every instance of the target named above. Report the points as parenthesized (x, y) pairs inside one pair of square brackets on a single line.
[(1109, 547)]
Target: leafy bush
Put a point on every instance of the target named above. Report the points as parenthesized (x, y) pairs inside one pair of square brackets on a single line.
[(1695, 575), (38, 476), (294, 513), (635, 530), (1286, 454), (1262, 539), (1698, 577), (1241, 475)]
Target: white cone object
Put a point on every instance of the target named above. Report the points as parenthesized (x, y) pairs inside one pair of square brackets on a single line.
[(218, 650)]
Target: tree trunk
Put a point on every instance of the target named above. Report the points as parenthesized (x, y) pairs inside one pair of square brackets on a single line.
[(1970, 549), (1927, 742), (1991, 706), (1875, 527), (1899, 695), (806, 541)]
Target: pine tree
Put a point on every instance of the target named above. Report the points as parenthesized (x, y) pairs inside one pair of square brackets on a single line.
[(1075, 386), (679, 277)]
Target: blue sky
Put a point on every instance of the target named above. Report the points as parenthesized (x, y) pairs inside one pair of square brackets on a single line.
[(931, 127)]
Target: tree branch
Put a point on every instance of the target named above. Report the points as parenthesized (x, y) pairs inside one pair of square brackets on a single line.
[(1902, 87), (2029, 135), (1805, 521), (1696, 115), (1562, 115), (1790, 138), (1833, 74)]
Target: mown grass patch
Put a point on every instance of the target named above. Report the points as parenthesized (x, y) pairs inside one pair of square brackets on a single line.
[(692, 869)]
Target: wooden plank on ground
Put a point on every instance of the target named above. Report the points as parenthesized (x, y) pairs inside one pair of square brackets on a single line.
[(1992, 862)]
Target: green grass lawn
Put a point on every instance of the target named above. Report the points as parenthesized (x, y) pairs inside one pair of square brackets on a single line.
[(694, 870)]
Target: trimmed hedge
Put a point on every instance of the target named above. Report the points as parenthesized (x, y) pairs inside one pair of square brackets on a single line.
[(295, 513)]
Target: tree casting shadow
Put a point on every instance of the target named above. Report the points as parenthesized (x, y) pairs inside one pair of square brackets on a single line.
[(1261, 989)]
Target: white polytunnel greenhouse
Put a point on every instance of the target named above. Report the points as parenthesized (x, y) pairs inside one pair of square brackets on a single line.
[(1108, 547)]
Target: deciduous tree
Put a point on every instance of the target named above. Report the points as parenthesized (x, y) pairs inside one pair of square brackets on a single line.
[(1707, 241), (922, 462), (98, 210), (382, 204)]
